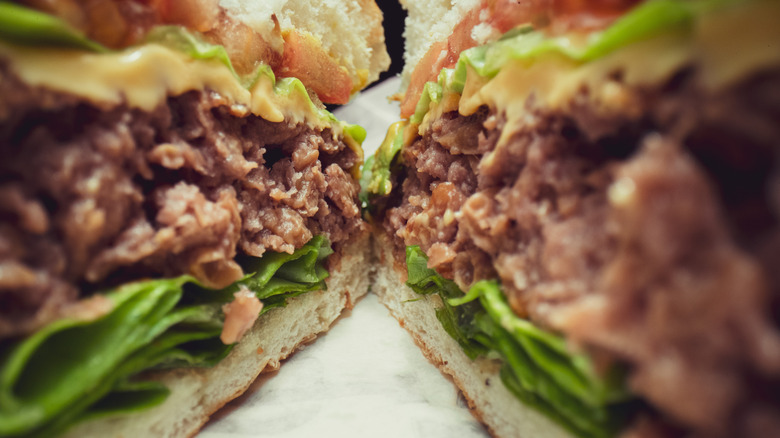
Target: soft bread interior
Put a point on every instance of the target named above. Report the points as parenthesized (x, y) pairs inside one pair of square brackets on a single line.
[(488, 398), (428, 22), (198, 393), (350, 31)]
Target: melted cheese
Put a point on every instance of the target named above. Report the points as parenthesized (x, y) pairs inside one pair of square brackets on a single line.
[(143, 77), (724, 47)]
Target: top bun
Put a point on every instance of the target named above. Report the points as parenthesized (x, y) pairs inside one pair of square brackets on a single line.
[(429, 22), (349, 31)]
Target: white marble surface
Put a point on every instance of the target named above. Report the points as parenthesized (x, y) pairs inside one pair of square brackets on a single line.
[(365, 377)]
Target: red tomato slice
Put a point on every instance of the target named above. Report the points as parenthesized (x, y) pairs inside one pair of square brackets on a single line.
[(305, 59), (503, 15), (425, 69)]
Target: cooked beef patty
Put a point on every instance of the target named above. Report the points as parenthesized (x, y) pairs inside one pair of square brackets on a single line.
[(93, 196), (649, 234)]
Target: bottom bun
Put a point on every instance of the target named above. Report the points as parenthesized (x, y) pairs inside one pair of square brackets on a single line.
[(489, 400), (196, 393)]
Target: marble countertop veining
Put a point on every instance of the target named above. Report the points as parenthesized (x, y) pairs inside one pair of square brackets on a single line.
[(365, 377)]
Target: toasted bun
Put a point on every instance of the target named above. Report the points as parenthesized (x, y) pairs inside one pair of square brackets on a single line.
[(350, 31), (489, 400), (198, 393)]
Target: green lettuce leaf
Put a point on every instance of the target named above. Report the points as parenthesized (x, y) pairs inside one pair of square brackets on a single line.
[(185, 41), (73, 370), (378, 182), (432, 92), (539, 368), (649, 19), (357, 132), (180, 39), (279, 276), (645, 21), (30, 27), (366, 175), (23, 25), (457, 321), (72, 363)]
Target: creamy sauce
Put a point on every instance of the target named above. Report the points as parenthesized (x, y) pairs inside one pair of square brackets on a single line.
[(724, 47), (143, 77)]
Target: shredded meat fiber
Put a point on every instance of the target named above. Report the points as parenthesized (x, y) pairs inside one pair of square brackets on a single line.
[(91, 197), (648, 235)]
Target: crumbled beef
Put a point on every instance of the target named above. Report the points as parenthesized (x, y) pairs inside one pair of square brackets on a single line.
[(91, 196), (648, 233)]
